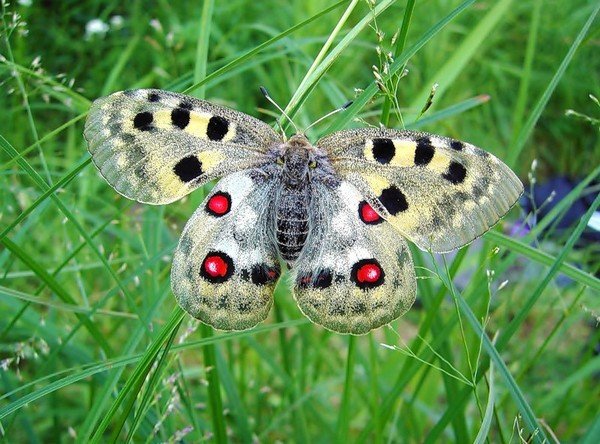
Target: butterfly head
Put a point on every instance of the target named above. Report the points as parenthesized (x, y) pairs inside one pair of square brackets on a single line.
[(296, 158)]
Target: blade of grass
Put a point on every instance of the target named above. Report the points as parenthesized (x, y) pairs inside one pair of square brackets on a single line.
[(15, 294), (523, 94), (518, 397), (51, 283), (461, 57), (47, 137), (116, 70), (507, 334), (400, 43), (369, 92), (486, 423), (50, 191), (202, 45), (149, 391), (537, 110), (238, 410), (25, 97), (130, 390), (261, 47), (510, 330), (9, 149), (544, 258), (319, 68), (109, 364), (453, 110), (343, 422)]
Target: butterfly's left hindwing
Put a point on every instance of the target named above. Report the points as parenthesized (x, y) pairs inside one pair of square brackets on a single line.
[(225, 267), (355, 272), (156, 146)]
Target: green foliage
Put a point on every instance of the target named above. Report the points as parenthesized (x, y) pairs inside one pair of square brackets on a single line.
[(503, 344)]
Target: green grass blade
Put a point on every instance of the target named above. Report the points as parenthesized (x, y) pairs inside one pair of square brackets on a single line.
[(543, 258), (130, 390), (203, 44), (343, 422), (234, 63), (316, 72), (369, 92), (537, 110), (486, 423), (51, 283), (529, 416), (460, 58), (400, 43), (516, 322)]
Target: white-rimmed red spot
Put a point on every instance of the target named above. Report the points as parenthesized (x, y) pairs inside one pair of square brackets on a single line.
[(219, 204), (217, 267), (367, 273), (367, 214)]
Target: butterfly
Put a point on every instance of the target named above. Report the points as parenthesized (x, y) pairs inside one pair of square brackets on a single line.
[(336, 213)]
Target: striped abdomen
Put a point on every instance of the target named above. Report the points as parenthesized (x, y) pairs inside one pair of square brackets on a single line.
[(292, 221)]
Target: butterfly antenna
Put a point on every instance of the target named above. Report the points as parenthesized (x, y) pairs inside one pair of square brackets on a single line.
[(335, 111), (265, 93)]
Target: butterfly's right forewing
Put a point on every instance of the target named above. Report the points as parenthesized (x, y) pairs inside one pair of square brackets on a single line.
[(155, 146)]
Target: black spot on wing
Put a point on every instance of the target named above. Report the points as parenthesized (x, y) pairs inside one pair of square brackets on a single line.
[(457, 145), (153, 97), (217, 128), (263, 274), (456, 173), (143, 121), (127, 138), (188, 168), (393, 200), (186, 105), (383, 150), (424, 151), (322, 279), (180, 117), (359, 308)]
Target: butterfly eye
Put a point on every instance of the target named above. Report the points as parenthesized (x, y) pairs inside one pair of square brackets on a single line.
[(280, 160), (312, 164)]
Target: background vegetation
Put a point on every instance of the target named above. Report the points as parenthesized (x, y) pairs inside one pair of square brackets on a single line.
[(92, 342)]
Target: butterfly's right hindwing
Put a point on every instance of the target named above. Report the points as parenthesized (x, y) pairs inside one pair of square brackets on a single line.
[(155, 146), (225, 267)]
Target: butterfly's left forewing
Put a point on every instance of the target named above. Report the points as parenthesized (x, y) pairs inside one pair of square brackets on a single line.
[(225, 267), (440, 193)]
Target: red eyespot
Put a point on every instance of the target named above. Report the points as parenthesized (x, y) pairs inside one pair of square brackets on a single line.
[(219, 204), (367, 273), (367, 214), (217, 267)]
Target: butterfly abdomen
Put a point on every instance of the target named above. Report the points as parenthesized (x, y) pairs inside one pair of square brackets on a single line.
[(292, 221)]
